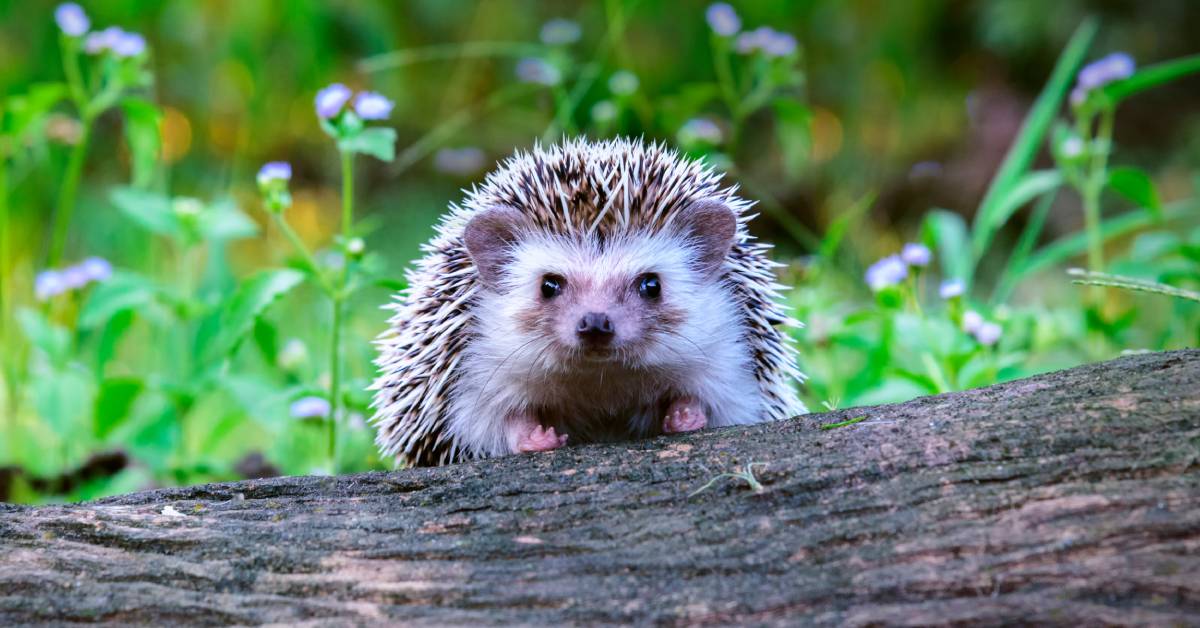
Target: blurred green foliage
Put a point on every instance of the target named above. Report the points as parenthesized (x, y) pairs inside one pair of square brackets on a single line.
[(936, 122)]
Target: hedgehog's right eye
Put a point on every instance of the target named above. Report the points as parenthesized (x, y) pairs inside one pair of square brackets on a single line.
[(552, 286)]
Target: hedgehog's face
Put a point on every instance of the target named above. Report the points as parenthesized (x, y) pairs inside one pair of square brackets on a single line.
[(591, 299)]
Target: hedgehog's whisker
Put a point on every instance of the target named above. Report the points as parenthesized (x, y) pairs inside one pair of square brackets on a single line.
[(491, 375), (699, 351)]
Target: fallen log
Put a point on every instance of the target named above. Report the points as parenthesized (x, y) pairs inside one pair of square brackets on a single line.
[(1068, 498)]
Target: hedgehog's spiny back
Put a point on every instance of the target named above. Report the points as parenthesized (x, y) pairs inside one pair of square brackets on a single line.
[(576, 188), (613, 186)]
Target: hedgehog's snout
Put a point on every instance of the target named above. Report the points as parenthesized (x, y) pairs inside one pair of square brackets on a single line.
[(595, 329)]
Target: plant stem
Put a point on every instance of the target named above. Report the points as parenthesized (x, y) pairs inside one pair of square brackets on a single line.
[(5, 226), (1101, 147), (298, 244), (66, 195), (335, 365), (10, 381), (70, 183)]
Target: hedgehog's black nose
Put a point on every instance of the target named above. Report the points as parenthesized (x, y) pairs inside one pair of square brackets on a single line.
[(595, 328)]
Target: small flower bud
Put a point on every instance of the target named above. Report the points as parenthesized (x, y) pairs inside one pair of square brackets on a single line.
[(723, 19), (459, 161), (355, 247), (888, 271), (372, 106), (310, 408), (71, 19), (560, 32), (604, 112), (915, 254), (329, 101), (1071, 147), (971, 321), (539, 71), (988, 334), (951, 288), (623, 83), (293, 355), (700, 131)]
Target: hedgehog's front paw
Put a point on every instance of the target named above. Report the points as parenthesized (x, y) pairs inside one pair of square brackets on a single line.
[(540, 439), (684, 415)]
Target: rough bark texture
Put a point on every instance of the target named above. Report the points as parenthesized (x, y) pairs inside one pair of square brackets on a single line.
[(1070, 498)]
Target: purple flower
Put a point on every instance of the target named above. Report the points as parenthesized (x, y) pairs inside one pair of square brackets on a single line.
[(888, 271), (128, 45), (48, 284), (951, 288), (96, 269), (309, 408), (74, 277), (274, 171), (101, 41), (988, 334), (699, 130), (780, 45), (71, 19), (924, 170), (539, 71), (768, 41), (560, 32), (372, 106), (723, 19), (1114, 67), (1078, 96), (459, 161), (331, 100), (972, 321), (915, 254)]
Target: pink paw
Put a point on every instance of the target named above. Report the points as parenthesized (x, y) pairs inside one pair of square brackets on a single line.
[(684, 415), (540, 439)]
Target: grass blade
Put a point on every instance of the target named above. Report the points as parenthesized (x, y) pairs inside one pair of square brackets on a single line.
[(1150, 77), (1029, 139), (1065, 248)]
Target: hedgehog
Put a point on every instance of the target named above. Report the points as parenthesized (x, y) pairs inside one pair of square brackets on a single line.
[(590, 290)]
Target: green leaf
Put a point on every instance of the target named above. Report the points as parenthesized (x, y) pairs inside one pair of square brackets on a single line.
[(106, 346), (948, 233), (1020, 155), (840, 225), (62, 398), (113, 404), (26, 111), (1027, 188), (1135, 185), (378, 142), (149, 210), (1149, 77), (223, 220), (122, 292), (247, 303), (54, 340), (142, 133), (266, 338), (1020, 253), (793, 126), (1065, 248)]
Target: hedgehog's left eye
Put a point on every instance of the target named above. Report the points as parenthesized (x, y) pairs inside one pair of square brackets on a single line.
[(552, 286), (649, 286)]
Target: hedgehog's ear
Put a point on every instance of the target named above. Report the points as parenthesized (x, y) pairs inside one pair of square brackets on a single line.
[(490, 237), (712, 226)]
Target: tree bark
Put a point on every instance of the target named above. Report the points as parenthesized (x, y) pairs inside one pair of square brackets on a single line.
[(1068, 498)]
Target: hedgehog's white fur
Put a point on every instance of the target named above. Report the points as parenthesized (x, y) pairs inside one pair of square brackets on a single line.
[(453, 368)]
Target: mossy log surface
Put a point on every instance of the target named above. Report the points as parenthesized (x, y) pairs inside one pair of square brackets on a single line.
[(1068, 498)]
